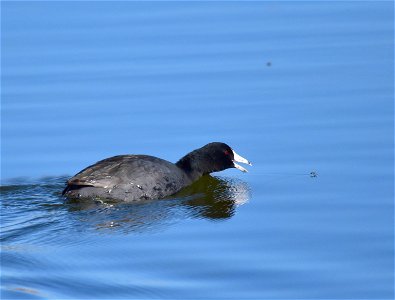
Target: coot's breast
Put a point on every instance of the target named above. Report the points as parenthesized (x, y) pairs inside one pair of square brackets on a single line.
[(128, 178)]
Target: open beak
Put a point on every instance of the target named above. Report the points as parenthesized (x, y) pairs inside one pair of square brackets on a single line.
[(238, 158)]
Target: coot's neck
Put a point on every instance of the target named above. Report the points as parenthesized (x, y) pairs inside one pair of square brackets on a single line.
[(196, 164)]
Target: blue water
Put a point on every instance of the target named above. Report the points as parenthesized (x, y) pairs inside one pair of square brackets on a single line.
[(295, 87)]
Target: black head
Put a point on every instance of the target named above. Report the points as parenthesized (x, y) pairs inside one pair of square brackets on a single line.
[(217, 156), (213, 157)]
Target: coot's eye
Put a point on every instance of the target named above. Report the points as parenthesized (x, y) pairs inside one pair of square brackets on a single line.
[(226, 152)]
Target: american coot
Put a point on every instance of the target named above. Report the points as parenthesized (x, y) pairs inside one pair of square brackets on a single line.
[(143, 177)]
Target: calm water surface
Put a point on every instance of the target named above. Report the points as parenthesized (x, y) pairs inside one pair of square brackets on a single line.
[(293, 86)]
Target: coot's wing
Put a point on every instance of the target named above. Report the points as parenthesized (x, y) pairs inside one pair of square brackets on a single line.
[(142, 174), (114, 170), (101, 174)]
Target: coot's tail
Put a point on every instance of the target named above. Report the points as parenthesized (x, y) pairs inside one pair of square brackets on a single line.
[(66, 189), (72, 187)]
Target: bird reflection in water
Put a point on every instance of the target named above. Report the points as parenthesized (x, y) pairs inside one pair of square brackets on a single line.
[(213, 198)]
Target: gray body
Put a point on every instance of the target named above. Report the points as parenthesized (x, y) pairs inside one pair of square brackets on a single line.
[(128, 178)]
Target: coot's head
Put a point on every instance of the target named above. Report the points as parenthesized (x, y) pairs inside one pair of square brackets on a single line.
[(212, 157), (222, 157)]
